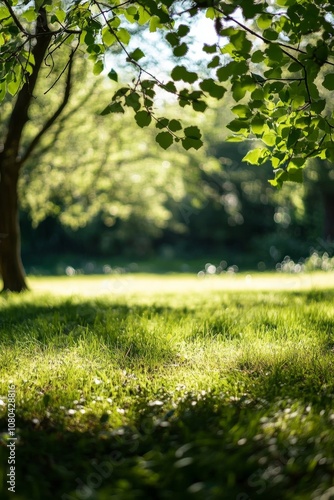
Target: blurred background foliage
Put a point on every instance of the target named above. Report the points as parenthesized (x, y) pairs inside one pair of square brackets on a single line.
[(101, 188)]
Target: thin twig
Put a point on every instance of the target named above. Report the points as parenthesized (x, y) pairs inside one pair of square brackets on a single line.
[(15, 19)]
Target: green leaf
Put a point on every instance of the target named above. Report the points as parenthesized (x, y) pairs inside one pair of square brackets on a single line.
[(188, 143), (320, 54), (210, 13), (270, 34), (94, 49), (269, 139), (14, 85), (215, 61), (154, 24), (38, 4), (174, 125), (181, 73), (258, 78), (136, 55), (147, 84), (131, 13), (235, 138), (238, 91), (280, 177), (257, 125), (143, 118), (124, 36), (242, 111), (132, 100), (257, 56), (113, 75), (115, 107), (264, 21), (256, 156), (98, 67), (108, 37), (294, 67), (30, 15), (212, 88), (89, 38), (143, 15), (121, 93), (183, 30), (170, 87), (172, 39), (241, 43), (257, 94), (238, 126), (318, 106), (209, 49), (164, 139), (180, 50), (293, 137), (233, 68), (328, 81), (162, 123), (192, 132), (247, 82), (250, 9), (2, 90), (274, 52), (199, 106)]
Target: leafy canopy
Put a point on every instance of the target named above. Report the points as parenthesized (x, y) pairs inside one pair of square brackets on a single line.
[(276, 58)]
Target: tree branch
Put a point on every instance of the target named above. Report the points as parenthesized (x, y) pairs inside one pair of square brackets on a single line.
[(19, 116), (64, 117), (15, 19), (55, 115), (266, 40)]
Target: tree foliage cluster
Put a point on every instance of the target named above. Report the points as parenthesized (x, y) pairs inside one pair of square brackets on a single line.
[(275, 57)]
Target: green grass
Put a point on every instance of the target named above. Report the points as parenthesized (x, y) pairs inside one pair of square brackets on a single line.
[(174, 387)]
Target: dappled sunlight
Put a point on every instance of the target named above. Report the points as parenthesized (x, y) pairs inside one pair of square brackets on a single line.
[(176, 374)]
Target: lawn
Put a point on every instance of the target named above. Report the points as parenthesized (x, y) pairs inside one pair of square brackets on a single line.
[(170, 387)]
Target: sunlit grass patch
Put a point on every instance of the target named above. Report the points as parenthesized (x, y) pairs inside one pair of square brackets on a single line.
[(211, 393)]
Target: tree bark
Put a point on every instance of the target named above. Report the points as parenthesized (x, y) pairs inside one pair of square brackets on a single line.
[(11, 267)]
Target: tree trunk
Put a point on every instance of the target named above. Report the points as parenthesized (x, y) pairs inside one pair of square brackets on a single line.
[(12, 158), (11, 268)]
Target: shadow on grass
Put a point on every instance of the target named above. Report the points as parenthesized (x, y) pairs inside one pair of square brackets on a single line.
[(264, 440), (210, 446)]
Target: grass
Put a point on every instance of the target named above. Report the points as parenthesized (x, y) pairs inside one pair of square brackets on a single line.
[(173, 387)]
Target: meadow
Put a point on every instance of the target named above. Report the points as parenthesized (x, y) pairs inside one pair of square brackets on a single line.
[(170, 387)]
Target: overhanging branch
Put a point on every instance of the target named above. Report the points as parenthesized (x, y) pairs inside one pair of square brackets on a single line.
[(35, 141)]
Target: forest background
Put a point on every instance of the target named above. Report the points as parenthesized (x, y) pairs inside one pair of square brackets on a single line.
[(99, 194)]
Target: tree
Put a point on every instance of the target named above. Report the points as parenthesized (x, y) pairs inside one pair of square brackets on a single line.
[(276, 58), (12, 158)]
